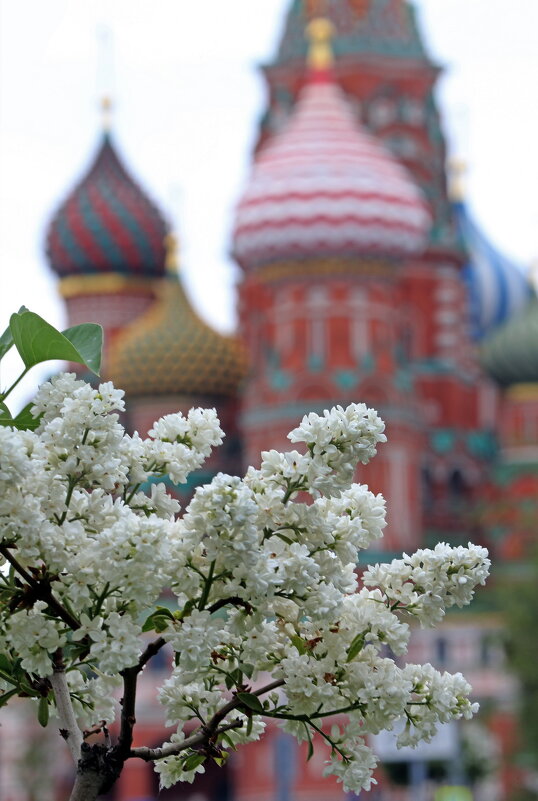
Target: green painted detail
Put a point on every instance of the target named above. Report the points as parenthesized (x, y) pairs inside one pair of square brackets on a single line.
[(443, 440), (315, 363), (289, 411), (505, 474), (280, 379), (367, 364), (403, 380), (272, 357), (261, 416), (435, 366), (347, 379), (482, 444)]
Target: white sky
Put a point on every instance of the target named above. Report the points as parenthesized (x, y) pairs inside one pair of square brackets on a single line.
[(188, 98)]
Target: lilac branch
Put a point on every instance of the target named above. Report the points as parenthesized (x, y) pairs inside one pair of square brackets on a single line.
[(204, 734), (172, 749), (68, 723)]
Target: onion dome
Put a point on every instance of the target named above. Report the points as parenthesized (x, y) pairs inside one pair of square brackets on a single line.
[(170, 351), (510, 354), (497, 287), (323, 186), (107, 224)]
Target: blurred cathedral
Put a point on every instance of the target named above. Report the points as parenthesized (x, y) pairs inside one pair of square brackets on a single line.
[(363, 278)]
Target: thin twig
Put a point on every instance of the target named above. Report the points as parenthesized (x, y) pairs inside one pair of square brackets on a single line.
[(205, 733), (172, 749), (234, 600), (41, 589), (153, 648)]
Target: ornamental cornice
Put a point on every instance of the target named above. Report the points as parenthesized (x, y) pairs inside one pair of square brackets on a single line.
[(374, 268), (103, 284)]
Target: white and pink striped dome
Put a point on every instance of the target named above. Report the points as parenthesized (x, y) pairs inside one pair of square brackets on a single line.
[(325, 187)]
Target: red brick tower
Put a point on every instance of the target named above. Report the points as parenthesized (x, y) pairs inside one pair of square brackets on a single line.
[(401, 340), (327, 222)]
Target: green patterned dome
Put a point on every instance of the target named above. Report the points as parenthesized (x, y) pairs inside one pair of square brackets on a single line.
[(171, 351), (510, 355)]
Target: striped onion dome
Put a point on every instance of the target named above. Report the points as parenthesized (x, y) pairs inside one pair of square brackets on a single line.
[(107, 224), (510, 354), (323, 186), (497, 288), (171, 351)]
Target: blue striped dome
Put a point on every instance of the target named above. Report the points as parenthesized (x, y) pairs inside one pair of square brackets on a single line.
[(497, 287), (107, 224)]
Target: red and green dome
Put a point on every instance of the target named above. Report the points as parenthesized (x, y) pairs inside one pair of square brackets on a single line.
[(107, 224)]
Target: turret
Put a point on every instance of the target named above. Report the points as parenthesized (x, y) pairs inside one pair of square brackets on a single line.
[(106, 244), (326, 222)]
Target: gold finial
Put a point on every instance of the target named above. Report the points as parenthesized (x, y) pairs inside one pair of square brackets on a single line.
[(172, 253), (457, 170), (319, 32), (106, 111)]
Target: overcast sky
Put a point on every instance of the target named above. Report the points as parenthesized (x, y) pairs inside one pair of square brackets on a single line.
[(187, 98)]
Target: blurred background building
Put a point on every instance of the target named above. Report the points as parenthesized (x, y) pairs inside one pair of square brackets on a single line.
[(363, 278)]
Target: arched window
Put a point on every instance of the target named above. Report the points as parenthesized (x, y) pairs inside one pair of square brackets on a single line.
[(457, 485)]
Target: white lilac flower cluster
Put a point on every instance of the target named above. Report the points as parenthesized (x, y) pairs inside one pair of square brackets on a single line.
[(430, 581), (265, 586), (73, 513)]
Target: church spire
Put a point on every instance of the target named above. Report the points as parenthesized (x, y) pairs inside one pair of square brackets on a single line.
[(106, 112)]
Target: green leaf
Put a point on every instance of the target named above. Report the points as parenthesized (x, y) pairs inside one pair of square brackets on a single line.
[(247, 669), (299, 643), (227, 739), (88, 340), (24, 421), (37, 341), (158, 620), (237, 675), (355, 647), (229, 681), (5, 415), (252, 701), (193, 761), (250, 721), (310, 748), (5, 663), (6, 676), (283, 537), (43, 711), (6, 340), (4, 698)]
